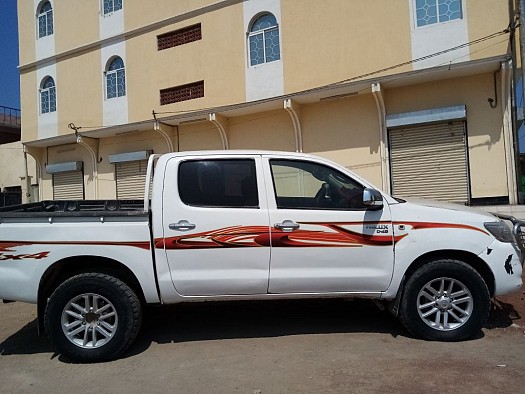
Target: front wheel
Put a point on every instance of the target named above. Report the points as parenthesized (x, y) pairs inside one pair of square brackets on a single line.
[(92, 317), (445, 300)]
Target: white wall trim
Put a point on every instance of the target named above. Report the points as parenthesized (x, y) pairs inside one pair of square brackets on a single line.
[(115, 110), (47, 122), (434, 38), (267, 79)]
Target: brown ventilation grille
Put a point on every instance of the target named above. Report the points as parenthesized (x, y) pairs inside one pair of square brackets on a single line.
[(182, 93), (179, 37)]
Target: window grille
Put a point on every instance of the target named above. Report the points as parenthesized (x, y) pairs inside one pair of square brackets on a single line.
[(111, 6), (182, 93), (179, 37), (48, 96), (45, 20), (429, 12), (263, 40), (116, 79)]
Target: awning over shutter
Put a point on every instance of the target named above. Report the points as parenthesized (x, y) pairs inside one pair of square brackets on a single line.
[(430, 161), (131, 179), (68, 185)]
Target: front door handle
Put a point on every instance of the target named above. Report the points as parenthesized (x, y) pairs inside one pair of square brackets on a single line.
[(182, 225), (287, 225)]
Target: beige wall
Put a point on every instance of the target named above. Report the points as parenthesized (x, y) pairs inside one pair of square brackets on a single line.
[(326, 42), (217, 59), (141, 13), (486, 18), (26, 31), (346, 131), (78, 23), (29, 101), (266, 130), (79, 87), (12, 166)]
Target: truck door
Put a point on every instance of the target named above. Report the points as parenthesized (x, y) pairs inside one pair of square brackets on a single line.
[(214, 208), (323, 238)]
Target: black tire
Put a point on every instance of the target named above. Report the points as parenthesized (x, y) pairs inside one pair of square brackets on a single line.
[(95, 305), (463, 290)]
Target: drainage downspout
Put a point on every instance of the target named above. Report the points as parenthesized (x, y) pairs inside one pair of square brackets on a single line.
[(216, 120), (506, 108), (94, 160), (383, 151), (38, 170), (289, 106), (158, 129)]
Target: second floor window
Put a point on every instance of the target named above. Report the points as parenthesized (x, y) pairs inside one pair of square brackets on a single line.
[(48, 96), (111, 6), (263, 40), (115, 79), (45, 20), (429, 12)]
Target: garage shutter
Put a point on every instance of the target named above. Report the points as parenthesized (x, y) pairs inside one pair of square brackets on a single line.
[(131, 179), (68, 185), (430, 161)]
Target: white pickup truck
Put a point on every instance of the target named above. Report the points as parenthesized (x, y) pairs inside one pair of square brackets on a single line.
[(241, 225)]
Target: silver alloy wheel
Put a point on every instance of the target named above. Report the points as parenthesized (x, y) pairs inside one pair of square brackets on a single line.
[(89, 321), (445, 304)]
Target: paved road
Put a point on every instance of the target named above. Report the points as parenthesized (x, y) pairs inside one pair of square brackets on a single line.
[(274, 347)]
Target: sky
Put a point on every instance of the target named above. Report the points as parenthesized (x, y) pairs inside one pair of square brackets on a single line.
[(9, 75)]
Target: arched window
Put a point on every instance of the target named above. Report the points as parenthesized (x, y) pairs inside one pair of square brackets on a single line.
[(48, 96), (263, 40), (111, 6), (45, 20), (115, 79)]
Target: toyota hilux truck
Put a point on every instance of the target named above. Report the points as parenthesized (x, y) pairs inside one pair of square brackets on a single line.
[(251, 225)]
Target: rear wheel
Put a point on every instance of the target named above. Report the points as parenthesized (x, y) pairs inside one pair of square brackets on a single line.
[(445, 300), (92, 317)]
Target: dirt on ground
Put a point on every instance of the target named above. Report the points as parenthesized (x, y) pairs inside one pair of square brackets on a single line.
[(329, 346)]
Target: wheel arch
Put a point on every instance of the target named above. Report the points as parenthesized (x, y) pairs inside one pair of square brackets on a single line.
[(66, 268), (466, 257)]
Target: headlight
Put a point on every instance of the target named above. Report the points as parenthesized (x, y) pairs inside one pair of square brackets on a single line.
[(500, 231)]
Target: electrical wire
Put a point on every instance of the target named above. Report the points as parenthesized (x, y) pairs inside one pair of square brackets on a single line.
[(333, 84)]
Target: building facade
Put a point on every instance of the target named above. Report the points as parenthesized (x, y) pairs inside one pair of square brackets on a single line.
[(17, 169), (414, 95)]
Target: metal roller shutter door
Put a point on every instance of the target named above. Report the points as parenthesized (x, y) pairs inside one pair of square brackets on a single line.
[(430, 161), (131, 179), (68, 185)]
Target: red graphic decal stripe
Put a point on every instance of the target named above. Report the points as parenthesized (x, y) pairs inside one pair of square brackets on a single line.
[(252, 236), (8, 246), (432, 225)]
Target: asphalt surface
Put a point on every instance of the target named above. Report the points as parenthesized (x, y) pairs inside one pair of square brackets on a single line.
[(330, 346)]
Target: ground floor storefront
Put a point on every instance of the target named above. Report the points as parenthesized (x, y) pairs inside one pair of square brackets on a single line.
[(432, 134)]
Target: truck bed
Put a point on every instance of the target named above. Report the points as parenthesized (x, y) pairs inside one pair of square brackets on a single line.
[(52, 208)]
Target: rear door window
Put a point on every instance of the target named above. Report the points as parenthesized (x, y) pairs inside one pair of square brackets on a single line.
[(218, 183)]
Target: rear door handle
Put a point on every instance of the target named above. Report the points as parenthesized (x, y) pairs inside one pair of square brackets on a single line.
[(182, 225), (286, 225)]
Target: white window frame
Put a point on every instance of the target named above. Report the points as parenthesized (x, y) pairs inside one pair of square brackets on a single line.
[(108, 73), (47, 91), (109, 13), (263, 32), (47, 15)]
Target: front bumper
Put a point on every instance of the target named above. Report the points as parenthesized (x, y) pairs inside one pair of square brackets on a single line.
[(518, 230)]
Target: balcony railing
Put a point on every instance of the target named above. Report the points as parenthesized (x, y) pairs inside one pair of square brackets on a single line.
[(9, 117)]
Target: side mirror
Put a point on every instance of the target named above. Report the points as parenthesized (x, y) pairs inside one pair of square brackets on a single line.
[(372, 199)]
